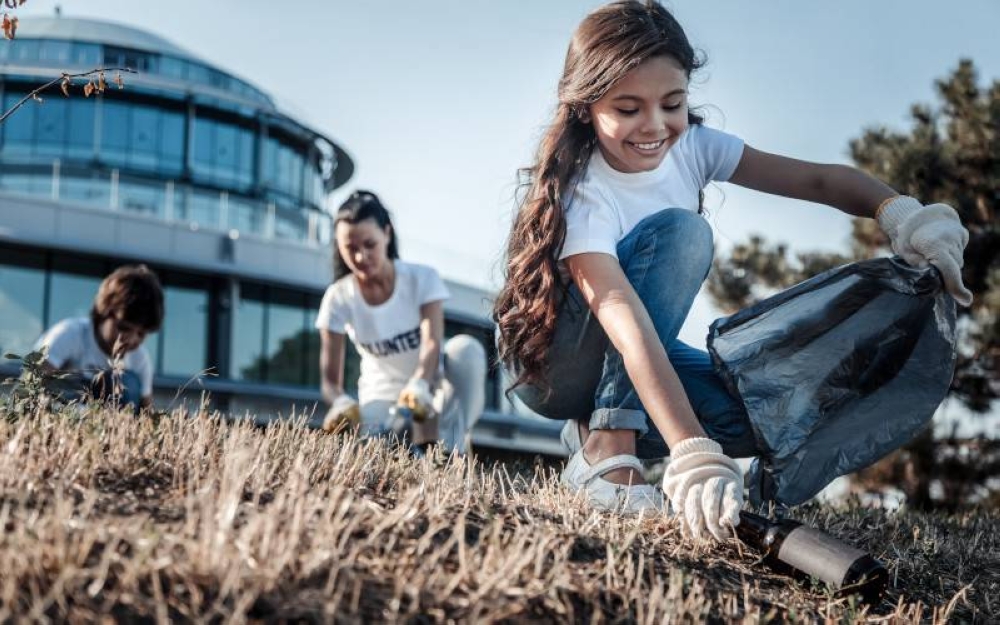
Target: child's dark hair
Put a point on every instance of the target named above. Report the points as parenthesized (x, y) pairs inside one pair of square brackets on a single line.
[(360, 206), (609, 43), (131, 293)]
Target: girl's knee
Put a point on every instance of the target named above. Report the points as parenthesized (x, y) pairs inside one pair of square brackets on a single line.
[(684, 231), (679, 220)]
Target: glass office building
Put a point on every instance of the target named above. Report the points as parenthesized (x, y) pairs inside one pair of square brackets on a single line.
[(201, 175)]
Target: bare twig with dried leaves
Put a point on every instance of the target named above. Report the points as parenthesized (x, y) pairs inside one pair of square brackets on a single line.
[(10, 22), (96, 83)]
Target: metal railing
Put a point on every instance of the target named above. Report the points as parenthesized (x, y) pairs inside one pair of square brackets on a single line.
[(173, 202)]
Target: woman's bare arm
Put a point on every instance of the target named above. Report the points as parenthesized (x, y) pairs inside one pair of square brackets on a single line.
[(331, 363), (431, 337)]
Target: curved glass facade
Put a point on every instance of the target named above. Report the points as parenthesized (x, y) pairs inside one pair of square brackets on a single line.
[(185, 142)]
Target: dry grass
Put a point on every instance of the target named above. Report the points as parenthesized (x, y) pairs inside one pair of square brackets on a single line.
[(190, 518)]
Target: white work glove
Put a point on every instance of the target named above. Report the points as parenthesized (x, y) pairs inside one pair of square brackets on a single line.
[(928, 234), (416, 396), (705, 488), (344, 413)]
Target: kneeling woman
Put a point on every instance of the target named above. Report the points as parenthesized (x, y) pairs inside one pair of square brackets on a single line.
[(393, 312)]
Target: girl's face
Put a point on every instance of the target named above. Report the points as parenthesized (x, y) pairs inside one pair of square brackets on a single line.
[(364, 246), (642, 116)]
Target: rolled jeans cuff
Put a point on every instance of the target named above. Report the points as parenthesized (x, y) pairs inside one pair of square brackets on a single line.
[(619, 419)]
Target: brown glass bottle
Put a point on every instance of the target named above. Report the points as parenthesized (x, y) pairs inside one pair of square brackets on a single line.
[(790, 547)]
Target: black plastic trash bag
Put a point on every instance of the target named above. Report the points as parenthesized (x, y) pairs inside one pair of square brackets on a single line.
[(839, 370)]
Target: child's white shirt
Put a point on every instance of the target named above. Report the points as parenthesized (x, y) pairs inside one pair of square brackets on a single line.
[(607, 204), (72, 346), (387, 335)]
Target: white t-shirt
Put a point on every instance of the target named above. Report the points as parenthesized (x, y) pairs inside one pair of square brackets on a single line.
[(607, 204), (388, 335), (73, 346)]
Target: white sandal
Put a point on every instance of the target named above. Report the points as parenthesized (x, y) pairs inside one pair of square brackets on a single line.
[(579, 475), (570, 437)]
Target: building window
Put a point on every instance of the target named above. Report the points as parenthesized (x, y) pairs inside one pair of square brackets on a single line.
[(223, 154), (56, 52), (287, 334), (26, 50), (198, 73), (80, 129), (145, 198), (314, 185), (127, 57), (291, 224), (51, 128), (57, 128), (141, 137), (144, 138), (72, 287), (246, 359), (27, 184), (115, 120), (313, 342), (247, 216), (283, 168), (184, 336), (93, 190), (22, 300), (203, 208), (171, 141), (277, 342), (86, 54), (19, 130), (172, 67)]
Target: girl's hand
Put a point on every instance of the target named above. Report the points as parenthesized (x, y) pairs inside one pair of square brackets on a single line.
[(416, 396), (344, 413), (928, 234), (705, 488)]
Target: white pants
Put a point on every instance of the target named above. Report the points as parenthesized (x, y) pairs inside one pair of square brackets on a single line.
[(459, 398)]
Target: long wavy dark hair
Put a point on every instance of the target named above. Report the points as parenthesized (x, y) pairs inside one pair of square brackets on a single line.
[(607, 44), (360, 206)]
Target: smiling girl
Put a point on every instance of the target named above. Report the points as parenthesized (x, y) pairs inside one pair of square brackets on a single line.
[(610, 248)]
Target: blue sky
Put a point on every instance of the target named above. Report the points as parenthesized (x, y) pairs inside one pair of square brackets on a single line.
[(440, 102)]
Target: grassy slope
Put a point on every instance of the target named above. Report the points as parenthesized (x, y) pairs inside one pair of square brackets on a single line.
[(190, 518)]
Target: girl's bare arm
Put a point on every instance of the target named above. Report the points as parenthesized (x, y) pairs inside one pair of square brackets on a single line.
[(846, 188), (625, 320)]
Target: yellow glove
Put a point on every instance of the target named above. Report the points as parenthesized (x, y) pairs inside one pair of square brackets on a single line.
[(343, 415), (416, 396)]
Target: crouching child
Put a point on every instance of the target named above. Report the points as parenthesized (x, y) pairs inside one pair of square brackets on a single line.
[(102, 354)]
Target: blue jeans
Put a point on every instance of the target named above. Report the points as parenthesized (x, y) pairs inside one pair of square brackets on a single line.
[(666, 258), (123, 387)]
